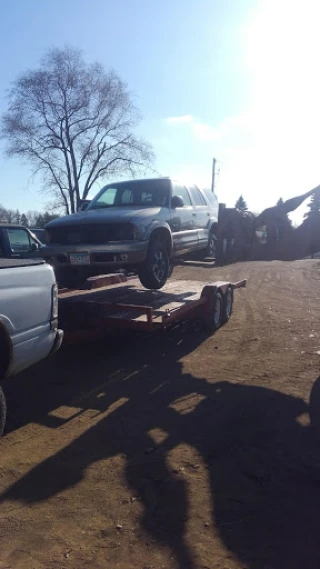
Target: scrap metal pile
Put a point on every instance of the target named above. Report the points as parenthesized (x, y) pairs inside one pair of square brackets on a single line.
[(270, 235)]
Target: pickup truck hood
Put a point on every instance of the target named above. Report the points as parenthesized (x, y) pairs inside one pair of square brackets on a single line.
[(108, 215)]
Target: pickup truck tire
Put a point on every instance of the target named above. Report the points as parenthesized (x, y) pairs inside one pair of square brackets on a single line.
[(211, 247), (3, 411), (155, 270)]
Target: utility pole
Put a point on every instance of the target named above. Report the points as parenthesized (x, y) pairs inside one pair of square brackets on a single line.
[(213, 174)]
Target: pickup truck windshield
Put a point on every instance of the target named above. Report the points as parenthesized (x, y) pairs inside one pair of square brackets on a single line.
[(142, 193)]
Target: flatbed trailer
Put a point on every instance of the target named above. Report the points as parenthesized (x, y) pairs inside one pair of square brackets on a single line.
[(117, 302)]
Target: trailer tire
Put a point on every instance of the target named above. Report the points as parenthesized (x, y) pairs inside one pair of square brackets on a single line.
[(213, 318), (3, 411), (155, 270), (227, 305)]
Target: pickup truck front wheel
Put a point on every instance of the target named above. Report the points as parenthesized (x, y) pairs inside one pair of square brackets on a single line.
[(3, 411), (154, 272)]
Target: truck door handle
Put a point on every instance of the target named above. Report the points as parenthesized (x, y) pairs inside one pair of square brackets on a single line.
[(194, 215)]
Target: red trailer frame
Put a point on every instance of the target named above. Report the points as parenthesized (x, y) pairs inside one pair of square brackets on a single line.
[(116, 302)]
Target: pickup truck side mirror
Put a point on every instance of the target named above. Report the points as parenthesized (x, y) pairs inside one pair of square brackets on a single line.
[(34, 246), (83, 204), (177, 201)]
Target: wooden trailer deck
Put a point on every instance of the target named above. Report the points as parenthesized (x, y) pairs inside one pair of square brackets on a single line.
[(128, 305)]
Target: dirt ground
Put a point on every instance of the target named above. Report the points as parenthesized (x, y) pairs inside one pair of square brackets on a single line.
[(188, 451)]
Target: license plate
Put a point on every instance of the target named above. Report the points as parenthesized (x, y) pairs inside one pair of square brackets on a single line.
[(79, 258)]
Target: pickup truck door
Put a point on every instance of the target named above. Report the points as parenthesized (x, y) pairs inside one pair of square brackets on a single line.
[(183, 222), (202, 216), (26, 294), (21, 244)]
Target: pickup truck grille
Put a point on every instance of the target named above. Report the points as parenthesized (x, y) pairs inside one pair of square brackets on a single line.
[(91, 234)]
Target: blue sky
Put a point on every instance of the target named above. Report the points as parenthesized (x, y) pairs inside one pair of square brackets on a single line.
[(224, 78)]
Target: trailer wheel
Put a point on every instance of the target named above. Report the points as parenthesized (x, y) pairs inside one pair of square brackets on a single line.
[(3, 411), (227, 305), (213, 318)]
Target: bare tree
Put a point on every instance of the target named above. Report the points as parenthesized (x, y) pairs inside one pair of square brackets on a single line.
[(74, 123), (3, 214), (10, 216), (32, 217)]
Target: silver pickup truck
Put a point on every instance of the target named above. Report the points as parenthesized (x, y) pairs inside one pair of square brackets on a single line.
[(140, 225), (28, 317)]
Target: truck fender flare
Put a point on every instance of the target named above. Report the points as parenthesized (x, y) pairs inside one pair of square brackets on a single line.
[(6, 354), (158, 228)]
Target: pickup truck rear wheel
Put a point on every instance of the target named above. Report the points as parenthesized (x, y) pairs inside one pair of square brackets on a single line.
[(3, 411), (211, 247), (155, 270)]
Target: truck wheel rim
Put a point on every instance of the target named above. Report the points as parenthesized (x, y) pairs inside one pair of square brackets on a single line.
[(211, 246), (159, 266), (228, 303), (217, 311)]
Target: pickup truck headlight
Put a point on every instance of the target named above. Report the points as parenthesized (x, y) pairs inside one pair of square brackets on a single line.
[(136, 232), (125, 232)]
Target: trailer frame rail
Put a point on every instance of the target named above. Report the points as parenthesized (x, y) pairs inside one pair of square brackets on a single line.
[(90, 313)]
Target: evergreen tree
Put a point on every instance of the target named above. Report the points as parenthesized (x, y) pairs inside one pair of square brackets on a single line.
[(24, 220), (241, 204), (18, 217), (283, 222), (314, 207), (39, 221), (48, 217)]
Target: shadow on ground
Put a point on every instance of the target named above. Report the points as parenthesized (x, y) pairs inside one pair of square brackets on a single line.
[(261, 453)]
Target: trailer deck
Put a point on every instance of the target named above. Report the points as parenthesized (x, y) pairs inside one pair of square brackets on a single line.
[(124, 303)]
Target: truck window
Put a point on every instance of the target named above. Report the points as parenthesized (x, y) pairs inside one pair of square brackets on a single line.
[(19, 240), (196, 196), (182, 192), (210, 197), (108, 197), (127, 197)]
